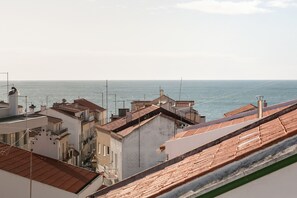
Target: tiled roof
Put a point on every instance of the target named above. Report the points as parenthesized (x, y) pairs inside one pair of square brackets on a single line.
[(241, 115), (72, 108), (223, 124), (210, 157), (184, 103), (45, 170), (245, 108), (135, 115), (140, 115), (88, 104), (129, 130)]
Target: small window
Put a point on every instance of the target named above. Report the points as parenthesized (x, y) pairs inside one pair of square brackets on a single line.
[(25, 138), (108, 150), (104, 150), (99, 148)]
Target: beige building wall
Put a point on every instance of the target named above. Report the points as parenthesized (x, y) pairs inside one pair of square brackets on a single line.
[(88, 144), (103, 149)]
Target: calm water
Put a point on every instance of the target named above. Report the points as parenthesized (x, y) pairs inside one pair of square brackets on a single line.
[(213, 98)]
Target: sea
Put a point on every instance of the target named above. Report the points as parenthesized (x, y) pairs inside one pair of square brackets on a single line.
[(212, 98)]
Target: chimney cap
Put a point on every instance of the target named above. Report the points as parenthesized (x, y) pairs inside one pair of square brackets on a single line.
[(32, 106), (259, 97), (12, 91)]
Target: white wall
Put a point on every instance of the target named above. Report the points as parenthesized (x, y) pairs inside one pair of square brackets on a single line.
[(281, 183), (4, 112), (91, 188), (116, 148), (22, 124), (14, 186), (44, 146), (152, 135), (180, 146), (73, 125)]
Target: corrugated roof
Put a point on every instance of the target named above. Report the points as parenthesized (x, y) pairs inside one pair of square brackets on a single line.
[(245, 108), (203, 160), (89, 104), (45, 170)]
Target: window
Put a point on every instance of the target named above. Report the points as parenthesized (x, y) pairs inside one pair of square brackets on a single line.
[(111, 159), (99, 148), (25, 138), (116, 160), (63, 149), (3, 138), (104, 150), (17, 139), (108, 150)]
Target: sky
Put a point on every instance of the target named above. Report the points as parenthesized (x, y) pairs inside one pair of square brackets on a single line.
[(148, 39)]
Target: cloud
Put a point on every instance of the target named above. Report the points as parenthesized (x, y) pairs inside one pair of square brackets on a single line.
[(225, 7), (281, 3)]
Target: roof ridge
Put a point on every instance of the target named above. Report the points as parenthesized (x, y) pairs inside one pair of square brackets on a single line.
[(195, 151)]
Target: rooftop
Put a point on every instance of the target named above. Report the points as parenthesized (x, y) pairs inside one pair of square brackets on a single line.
[(90, 105), (21, 122), (71, 108), (231, 120), (129, 130), (208, 158), (45, 170), (134, 116), (54, 119), (245, 108), (139, 115)]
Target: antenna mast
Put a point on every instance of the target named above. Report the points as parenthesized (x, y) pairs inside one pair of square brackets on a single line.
[(180, 88), (106, 101)]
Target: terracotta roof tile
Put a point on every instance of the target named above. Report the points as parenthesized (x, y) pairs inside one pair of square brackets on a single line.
[(223, 124), (135, 115), (45, 170), (89, 104), (227, 151), (129, 130), (245, 108)]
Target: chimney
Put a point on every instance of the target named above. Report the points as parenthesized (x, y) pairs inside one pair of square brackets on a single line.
[(161, 92), (260, 106), (265, 103), (13, 101), (128, 117), (31, 108), (42, 108)]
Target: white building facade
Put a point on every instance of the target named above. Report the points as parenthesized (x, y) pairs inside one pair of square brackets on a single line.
[(136, 149)]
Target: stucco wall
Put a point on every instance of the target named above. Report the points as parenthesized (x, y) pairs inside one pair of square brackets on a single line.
[(116, 148), (13, 186), (44, 145), (281, 183), (73, 125), (103, 138), (152, 135), (180, 146)]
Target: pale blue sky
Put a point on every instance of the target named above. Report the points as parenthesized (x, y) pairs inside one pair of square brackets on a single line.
[(148, 39)]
